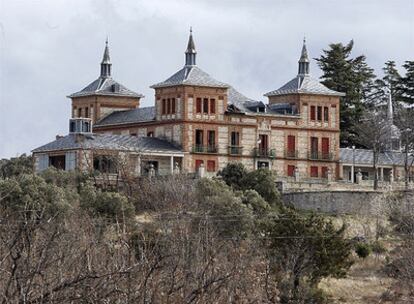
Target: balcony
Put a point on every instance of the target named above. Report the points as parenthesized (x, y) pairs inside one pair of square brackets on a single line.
[(264, 153), (204, 149), (292, 154), (235, 150), (316, 155)]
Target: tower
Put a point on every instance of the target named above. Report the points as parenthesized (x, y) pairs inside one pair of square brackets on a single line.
[(303, 69)]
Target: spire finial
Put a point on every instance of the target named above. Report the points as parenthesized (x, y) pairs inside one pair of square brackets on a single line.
[(106, 61), (390, 110), (304, 60), (190, 53)]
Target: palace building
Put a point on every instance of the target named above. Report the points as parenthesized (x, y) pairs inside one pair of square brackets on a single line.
[(198, 121)]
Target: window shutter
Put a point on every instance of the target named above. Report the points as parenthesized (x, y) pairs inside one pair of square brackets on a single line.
[(70, 161), (43, 162)]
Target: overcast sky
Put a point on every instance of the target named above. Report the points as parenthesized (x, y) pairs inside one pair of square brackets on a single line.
[(51, 48)]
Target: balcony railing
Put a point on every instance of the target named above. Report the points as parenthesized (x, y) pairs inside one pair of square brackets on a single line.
[(264, 153), (204, 149), (316, 155), (293, 154), (235, 150)]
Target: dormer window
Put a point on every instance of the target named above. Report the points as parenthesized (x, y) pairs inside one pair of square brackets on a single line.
[(115, 87), (80, 125)]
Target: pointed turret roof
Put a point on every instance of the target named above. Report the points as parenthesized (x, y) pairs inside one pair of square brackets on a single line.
[(191, 46), (105, 85), (191, 74), (303, 83)]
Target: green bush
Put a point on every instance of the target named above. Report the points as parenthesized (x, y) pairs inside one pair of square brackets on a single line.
[(263, 182), (233, 174), (363, 250), (112, 205), (378, 247)]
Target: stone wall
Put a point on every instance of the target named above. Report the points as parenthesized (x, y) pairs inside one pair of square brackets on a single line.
[(348, 202)]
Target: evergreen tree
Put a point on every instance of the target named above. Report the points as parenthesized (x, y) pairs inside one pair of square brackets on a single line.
[(406, 89), (351, 76), (390, 80)]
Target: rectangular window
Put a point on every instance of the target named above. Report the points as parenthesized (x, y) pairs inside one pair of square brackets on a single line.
[(211, 166), (326, 114), (163, 106), (314, 171), (150, 134), (324, 172), (205, 106), (291, 143), (199, 141), (168, 106), (212, 106), (314, 148), (58, 162), (80, 112), (312, 113), (172, 105), (104, 164), (291, 170), (319, 113), (325, 148), (198, 163), (211, 138), (198, 105), (235, 139), (86, 112)]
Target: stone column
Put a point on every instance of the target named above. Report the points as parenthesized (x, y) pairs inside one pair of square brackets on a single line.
[(172, 164), (296, 174), (176, 168), (151, 171), (329, 173), (201, 171), (359, 177)]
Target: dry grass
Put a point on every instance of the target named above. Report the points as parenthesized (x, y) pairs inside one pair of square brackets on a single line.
[(365, 282)]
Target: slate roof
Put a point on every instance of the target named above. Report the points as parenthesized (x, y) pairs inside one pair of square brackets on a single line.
[(365, 157), (105, 86), (304, 85), (191, 75), (128, 116), (110, 142)]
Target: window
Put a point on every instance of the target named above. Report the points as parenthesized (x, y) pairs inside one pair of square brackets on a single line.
[(164, 106), (168, 106), (324, 172), (199, 140), (80, 112), (104, 164), (86, 112), (133, 134), (150, 134), (211, 166), (314, 171), (326, 114), (57, 161), (211, 139), (205, 106), (172, 105), (312, 113), (314, 147), (319, 113), (325, 148), (198, 163), (212, 106), (291, 145), (291, 170), (198, 105), (235, 139)]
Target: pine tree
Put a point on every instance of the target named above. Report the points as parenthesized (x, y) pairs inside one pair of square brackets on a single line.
[(390, 80), (351, 76), (406, 89)]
